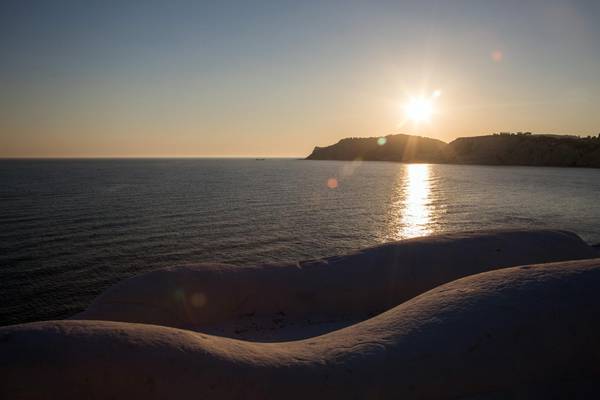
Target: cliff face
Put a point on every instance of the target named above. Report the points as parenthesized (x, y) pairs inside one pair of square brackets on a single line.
[(404, 148), (499, 149), (540, 150)]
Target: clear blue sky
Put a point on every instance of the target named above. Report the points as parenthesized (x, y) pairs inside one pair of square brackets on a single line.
[(277, 78)]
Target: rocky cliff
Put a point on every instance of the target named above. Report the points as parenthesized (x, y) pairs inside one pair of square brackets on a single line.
[(405, 148), (496, 149)]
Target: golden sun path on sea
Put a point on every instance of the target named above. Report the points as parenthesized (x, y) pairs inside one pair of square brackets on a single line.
[(411, 211)]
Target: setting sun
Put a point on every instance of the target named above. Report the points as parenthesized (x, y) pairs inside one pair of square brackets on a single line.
[(421, 109)]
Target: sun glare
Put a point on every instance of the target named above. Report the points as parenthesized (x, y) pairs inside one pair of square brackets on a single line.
[(420, 109)]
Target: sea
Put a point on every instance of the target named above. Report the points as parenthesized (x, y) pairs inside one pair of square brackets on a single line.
[(69, 229)]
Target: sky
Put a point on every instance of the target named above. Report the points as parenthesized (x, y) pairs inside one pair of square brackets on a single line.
[(276, 78)]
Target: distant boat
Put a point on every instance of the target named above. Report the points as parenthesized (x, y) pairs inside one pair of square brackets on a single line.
[(260, 159)]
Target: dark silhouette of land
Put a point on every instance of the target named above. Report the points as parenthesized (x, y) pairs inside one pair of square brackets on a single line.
[(404, 148), (496, 149)]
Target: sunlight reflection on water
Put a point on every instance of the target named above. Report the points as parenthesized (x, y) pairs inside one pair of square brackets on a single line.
[(412, 211)]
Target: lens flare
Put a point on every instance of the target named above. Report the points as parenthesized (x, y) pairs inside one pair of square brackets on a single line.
[(497, 56), (198, 300)]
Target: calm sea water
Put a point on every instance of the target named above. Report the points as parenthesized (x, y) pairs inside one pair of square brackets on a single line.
[(71, 228)]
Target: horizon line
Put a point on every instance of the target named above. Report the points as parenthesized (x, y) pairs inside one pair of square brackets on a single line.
[(141, 157)]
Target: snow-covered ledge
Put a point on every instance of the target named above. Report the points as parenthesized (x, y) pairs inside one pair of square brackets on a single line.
[(500, 331), (296, 300)]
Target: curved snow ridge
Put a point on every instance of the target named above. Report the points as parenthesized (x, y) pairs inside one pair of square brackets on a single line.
[(487, 333), (296, 300)]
